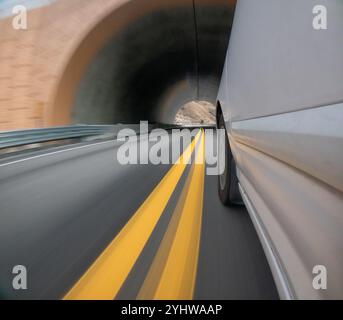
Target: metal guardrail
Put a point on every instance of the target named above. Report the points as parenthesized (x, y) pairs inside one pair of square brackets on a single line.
[(26, 137)]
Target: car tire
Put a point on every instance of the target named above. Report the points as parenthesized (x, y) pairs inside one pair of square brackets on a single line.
[(228, 189)]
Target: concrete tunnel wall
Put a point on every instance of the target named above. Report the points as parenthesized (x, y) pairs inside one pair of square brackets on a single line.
[(110, 61), (144, 60)]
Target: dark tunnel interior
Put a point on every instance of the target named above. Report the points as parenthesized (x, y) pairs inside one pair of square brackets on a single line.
[(155, 62)]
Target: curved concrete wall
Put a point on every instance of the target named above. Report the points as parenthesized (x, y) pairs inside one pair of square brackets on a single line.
[(121, 61)]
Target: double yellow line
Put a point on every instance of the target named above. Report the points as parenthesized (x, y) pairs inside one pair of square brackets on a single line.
[(173, 271)]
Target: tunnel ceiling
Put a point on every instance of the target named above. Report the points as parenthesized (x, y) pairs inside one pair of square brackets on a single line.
[(161, 57)]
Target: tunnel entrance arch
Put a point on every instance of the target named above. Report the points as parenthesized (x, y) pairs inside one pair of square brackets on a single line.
[(196, 112), (144, 61)]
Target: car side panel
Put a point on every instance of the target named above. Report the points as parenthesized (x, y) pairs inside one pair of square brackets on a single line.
[(281, 96), (277, 62)]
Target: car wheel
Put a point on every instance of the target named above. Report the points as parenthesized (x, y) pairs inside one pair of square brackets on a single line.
[(227, 181)]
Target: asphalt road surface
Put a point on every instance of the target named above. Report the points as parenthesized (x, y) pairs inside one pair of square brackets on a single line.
[(87, 227)]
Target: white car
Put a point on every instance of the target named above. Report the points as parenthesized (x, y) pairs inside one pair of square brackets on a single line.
[(281, 103)]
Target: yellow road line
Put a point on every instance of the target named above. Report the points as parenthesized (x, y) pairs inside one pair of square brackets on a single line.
[(153, 277), (173, 275), (105, 277)]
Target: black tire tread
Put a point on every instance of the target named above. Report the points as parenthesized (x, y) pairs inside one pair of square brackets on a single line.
[(230, 195)]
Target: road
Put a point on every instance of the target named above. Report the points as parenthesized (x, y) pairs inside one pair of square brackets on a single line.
[(87, 227)]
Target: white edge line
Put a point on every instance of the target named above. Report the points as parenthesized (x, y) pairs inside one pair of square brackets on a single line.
[(56, 152), (65, 150)]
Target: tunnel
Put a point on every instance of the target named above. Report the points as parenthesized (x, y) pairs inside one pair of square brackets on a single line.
[(144, 60)]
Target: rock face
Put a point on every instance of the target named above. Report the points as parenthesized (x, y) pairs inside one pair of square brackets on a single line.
[(201, 112)]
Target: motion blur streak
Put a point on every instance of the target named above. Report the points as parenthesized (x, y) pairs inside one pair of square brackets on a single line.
[(195, 184), (179, 275), (115, 61), (105, 277)]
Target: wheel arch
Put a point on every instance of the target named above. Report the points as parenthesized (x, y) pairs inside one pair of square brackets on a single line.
[(219, 112)]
